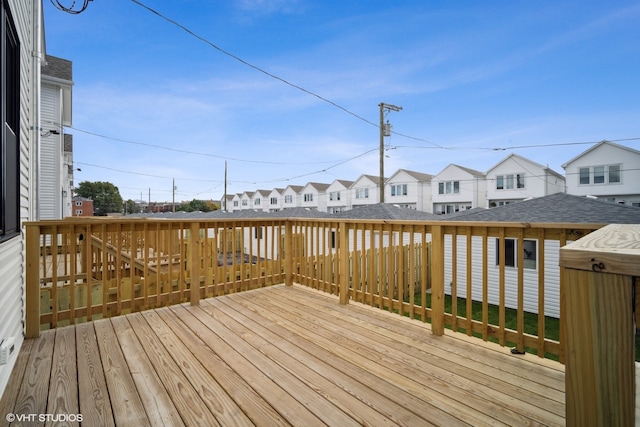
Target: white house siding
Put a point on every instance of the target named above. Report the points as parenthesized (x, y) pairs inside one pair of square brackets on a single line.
[(604, 154), (530, 278), (50, 185), (538, 181), (27, 17)]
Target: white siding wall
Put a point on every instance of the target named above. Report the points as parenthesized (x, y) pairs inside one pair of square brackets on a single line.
[(50, 185), (551, 275), (12, 251), (606, 154)]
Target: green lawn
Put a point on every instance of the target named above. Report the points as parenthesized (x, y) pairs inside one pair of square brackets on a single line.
[(552, 324)]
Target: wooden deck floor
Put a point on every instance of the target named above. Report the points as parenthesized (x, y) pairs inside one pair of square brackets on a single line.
[(279, 356)]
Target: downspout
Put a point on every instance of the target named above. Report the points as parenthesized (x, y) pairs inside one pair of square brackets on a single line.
[(37, 56)]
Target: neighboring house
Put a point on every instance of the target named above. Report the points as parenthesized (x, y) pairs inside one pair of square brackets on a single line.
[(226, 203), (275, 200), (365, 191), (235, 203), (409, 189), (339, 196), (260, 200), (313, 195), (457, 188), (556, 208), (246, 199), (291, 197), (516, 178), (22, 51), (608, 171), (55, 174), (82, 206)]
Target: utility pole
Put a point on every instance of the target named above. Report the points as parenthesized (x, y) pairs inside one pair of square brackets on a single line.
[(224, 198), (173, 191), (384, 131)]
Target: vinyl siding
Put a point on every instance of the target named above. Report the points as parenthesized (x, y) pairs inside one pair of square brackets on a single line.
[(12, 251)]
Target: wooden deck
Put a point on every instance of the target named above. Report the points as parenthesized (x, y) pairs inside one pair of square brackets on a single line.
[(279, 356)]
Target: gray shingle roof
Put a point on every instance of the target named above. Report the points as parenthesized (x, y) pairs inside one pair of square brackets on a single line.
[(385, 211), (58, 67), (559, 207)]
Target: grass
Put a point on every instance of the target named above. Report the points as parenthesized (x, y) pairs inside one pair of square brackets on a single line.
[(552, 324)]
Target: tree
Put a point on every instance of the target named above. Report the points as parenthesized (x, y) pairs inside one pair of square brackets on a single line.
[(131, 207), (195, 205), (106, 196)]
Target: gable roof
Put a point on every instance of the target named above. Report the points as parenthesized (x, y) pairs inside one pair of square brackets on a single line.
[(425, 177), (517, 156), (372, 178), (317, 185), (385, 211), (468, 170), (559, 207), (598, 145)]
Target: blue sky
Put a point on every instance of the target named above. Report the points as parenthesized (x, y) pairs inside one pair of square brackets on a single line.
[(152, 103)]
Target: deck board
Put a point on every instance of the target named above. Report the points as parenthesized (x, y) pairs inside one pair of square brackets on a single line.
[(279, 356)]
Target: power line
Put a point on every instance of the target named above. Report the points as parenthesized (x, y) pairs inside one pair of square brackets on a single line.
[(255, 67), (197, 153)]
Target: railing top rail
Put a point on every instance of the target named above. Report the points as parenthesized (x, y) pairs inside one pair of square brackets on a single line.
[(281, 220), (611, 249)]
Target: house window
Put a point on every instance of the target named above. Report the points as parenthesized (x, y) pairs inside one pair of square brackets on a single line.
[(78, 203), (530, 255), (509, 182), (308, 197), (288, 198), (449, 187), (334, 195), (601, 174), (584, 175), (614, 174), (598, 175), (244, 202), (274, 200), (399, 190), (79, 212), (10, 123), (362, 193), (256, 202), (235, 203)]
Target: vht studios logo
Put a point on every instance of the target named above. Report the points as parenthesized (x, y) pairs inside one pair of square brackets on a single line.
[(42, 418)]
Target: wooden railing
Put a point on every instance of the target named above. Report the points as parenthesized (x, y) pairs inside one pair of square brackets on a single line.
[(602, 275), (83, 269)]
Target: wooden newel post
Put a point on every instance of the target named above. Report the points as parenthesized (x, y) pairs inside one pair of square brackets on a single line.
[(288, 253), (196, 258), (32, 300), (599, 272)]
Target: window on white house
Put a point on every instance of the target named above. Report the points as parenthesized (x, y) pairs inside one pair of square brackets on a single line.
[(598, 175), (235, 203), (614, 174), (9, 126), (362, 193), (601, 174), (530, 253), (308, 197), (256, 202), (449, 187), (288, 198), (399, 190), (334, 195), (584, 176), (274, 200), (244, 202), (509, 182)]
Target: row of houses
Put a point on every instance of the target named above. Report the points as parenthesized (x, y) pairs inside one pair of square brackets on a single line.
[(606, 170)]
